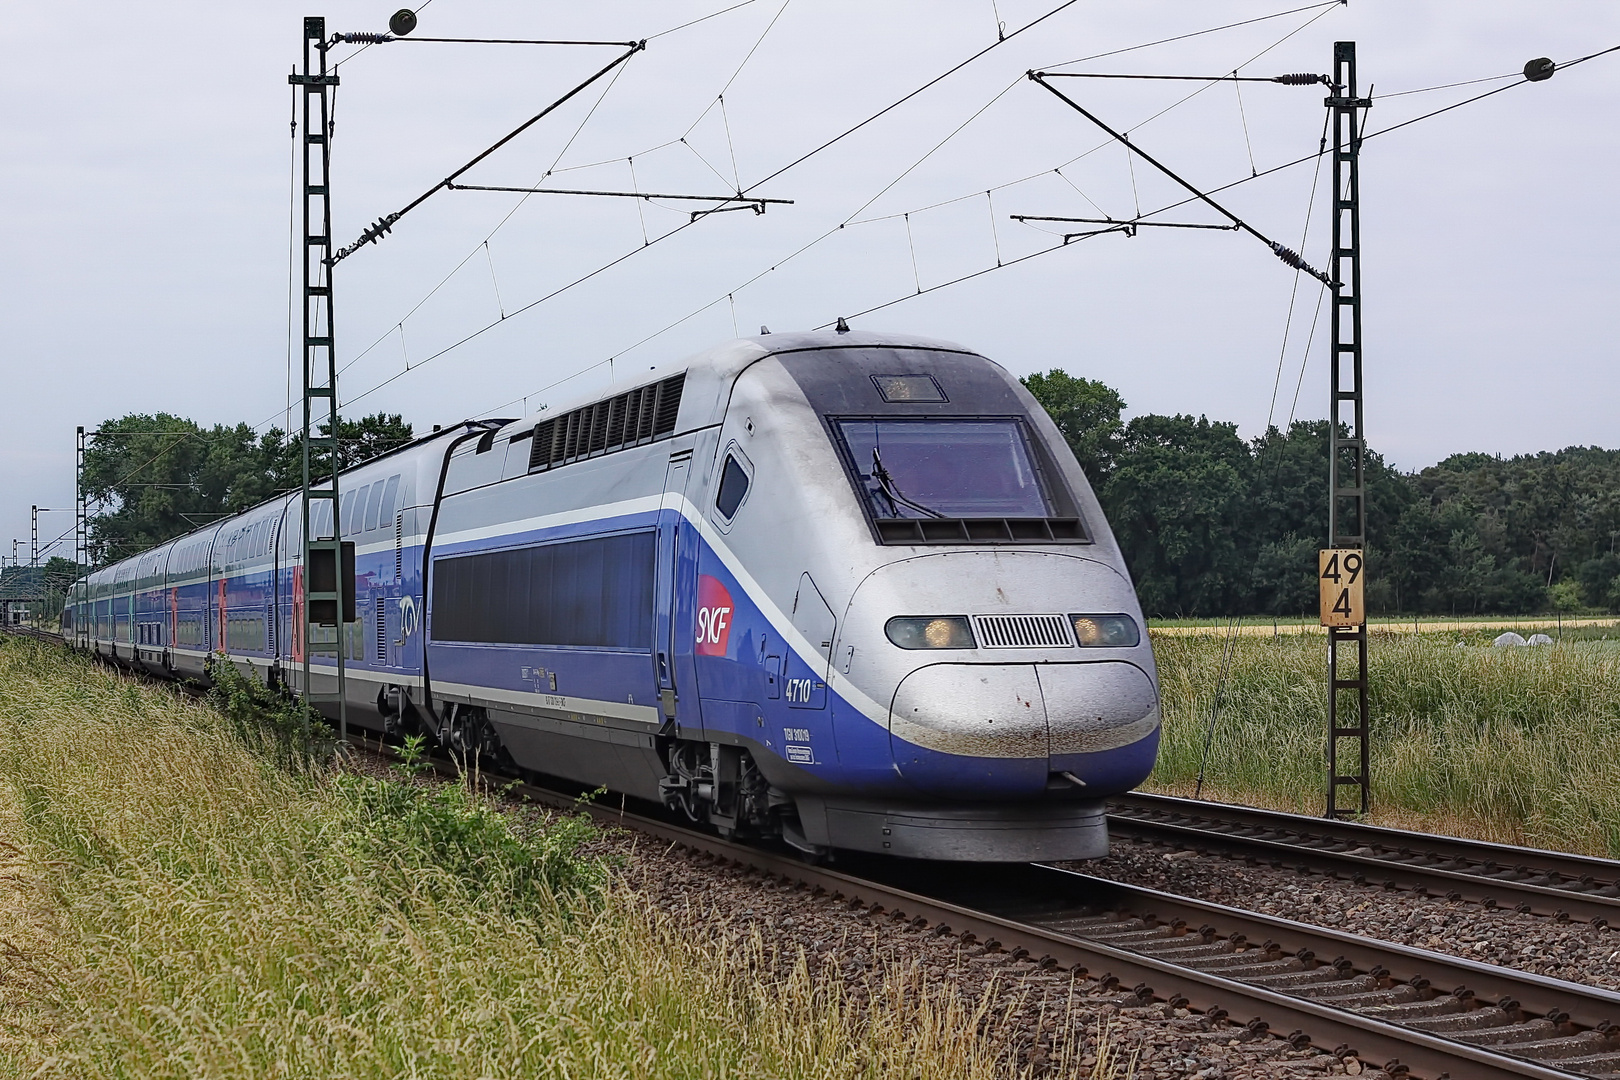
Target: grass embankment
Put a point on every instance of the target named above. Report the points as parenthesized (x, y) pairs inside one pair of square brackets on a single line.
[(187, 894), (1582, 627), (1512, 744)]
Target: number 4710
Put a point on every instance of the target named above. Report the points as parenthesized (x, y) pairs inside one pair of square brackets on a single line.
[(1339, 567)]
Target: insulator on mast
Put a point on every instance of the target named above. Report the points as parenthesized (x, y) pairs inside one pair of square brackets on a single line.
[(1300, 78), (1297, 261), (364, 37)]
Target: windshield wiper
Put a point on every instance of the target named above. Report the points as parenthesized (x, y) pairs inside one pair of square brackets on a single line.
[(892, 493)]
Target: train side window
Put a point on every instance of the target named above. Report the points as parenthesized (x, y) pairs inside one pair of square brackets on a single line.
[(385, 516), (373, 505), (354, 505), (734, 484)]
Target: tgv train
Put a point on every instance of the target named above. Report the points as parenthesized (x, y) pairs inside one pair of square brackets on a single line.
[(847, 589)]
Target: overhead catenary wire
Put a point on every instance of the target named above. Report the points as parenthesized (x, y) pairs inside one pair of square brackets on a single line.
[(1194, 33), (498, 226), (792, 164), (1196, 197), (1293, 293), (801, 159), (702, 19), (1383, 131), (704, 307), (1244, 117), (1321, 11), (907, 97), (1120, 229), (964, 277), (630, 160), (854, 219)]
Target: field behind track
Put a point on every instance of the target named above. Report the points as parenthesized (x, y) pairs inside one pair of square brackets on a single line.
[(176, 901), (1509, 744)]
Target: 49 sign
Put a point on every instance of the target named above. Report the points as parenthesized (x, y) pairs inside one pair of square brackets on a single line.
[(1341, 574)]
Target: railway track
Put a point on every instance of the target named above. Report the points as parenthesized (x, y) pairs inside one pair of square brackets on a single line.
[(32, 632), (1549, 883), (1407, 1010)]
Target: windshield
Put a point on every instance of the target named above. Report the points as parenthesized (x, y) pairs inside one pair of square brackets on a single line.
[(944, 468)]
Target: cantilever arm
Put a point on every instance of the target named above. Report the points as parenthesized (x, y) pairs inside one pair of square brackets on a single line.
[(1287, 255)]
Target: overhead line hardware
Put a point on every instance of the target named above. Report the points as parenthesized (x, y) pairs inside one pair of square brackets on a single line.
[(381, 227), (747, 200), (1303, 78), (1129, 226), (364, 37), (1287, 255)]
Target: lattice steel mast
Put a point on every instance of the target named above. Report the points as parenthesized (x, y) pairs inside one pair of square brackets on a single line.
[(1347, 481), (321, 598), (81, 539)]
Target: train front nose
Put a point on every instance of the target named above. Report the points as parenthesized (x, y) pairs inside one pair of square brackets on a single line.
[(1020, 730)]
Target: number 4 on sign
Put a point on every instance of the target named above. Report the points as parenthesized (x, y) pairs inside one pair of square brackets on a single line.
[(1340, 576)]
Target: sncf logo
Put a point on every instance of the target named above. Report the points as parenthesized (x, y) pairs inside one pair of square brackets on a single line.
[(713, 617)]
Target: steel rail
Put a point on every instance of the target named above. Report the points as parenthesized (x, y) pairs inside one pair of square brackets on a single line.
[(1533, 1015), (1531, 880), (33, 632)]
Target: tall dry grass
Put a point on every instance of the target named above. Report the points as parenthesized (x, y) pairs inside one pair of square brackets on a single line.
[(193, 909), (1518, 744)]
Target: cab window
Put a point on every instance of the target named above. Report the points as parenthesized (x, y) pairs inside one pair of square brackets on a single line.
[(733, 488)]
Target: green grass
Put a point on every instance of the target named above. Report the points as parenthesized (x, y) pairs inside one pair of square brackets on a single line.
[(185, 892), (1515, 744)]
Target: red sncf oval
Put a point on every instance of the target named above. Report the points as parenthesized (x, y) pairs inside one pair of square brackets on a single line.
[(713, 616)]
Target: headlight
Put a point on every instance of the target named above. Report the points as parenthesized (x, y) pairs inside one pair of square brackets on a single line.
[(1105, 631), (930, 632)]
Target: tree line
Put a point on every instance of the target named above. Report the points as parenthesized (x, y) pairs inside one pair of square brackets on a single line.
[(1213, 525), (154, 476), (1210, 524)]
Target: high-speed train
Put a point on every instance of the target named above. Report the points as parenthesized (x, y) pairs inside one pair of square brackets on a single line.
[(847, 589)]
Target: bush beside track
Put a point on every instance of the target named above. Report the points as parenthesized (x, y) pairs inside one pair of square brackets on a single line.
[(189, 891)]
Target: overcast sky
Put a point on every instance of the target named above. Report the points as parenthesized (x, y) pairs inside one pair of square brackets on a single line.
[(146, 208)]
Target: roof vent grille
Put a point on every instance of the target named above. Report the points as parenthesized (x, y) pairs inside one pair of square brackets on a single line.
[(630, 419)]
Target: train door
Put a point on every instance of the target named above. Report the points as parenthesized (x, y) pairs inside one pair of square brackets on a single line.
[(805, 679), (672, 633)]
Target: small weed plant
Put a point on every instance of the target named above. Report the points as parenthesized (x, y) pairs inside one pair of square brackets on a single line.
[(268, 719)]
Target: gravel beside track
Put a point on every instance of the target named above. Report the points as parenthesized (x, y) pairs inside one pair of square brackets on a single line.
[(1559, 884), (1573, 951)]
